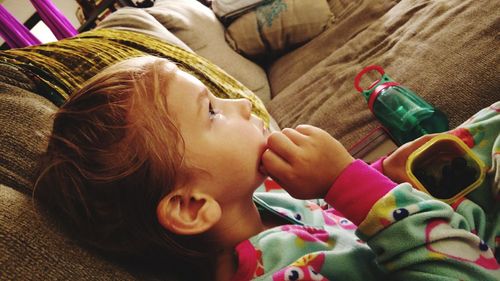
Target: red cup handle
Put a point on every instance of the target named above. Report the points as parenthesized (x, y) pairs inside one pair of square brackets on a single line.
[(367, 69)]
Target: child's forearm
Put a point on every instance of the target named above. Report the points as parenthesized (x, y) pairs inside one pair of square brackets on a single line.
[(357, 189)]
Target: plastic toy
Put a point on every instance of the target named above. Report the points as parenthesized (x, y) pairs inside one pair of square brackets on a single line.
[(445, 168)]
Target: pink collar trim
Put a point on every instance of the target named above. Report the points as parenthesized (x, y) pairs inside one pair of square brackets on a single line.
[(247, 261)]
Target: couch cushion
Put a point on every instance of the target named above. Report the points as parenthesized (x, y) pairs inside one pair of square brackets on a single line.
[(12, 75), (198, 27), (431, 47), (351, 17), (138, 20), (34, 246), (26, 120)]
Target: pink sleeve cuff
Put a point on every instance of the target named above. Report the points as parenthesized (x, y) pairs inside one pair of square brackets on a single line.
[(357, 188), (379, 164)]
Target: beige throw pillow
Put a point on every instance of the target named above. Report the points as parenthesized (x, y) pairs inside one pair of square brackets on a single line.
[(278, 25), (138, 20)]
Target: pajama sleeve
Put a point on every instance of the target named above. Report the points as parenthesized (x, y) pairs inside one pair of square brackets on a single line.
[(414, 236)]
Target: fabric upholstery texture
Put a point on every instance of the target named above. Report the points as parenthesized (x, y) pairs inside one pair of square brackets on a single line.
[(37, 247), (26, 120), (140, 21), (12, 75), (442, 50)]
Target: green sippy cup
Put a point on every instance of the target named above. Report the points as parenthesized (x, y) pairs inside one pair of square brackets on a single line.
[(403, 113)]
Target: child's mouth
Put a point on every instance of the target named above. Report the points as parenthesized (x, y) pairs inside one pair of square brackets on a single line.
[(262, 169)]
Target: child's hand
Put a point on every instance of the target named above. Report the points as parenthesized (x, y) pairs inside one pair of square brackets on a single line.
[(305, 161), (395, 164)]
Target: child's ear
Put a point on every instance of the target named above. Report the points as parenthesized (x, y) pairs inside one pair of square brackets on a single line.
[(188, 213)]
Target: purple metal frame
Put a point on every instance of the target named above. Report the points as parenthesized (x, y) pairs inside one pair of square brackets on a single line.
[(16, 35)]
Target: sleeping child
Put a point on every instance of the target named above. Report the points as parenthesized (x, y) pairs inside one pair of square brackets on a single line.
[(146, 164)]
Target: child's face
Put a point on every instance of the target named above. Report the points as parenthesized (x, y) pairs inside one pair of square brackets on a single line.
[(221, 136)]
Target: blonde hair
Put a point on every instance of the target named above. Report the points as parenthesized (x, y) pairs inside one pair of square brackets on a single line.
[(113, 154)]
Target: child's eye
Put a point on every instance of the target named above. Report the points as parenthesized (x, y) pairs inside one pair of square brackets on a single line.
[(211, 111)]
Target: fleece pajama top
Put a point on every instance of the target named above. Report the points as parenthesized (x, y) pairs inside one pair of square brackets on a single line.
[(380, 230)]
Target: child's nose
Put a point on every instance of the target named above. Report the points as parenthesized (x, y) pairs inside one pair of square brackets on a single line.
[(244, 107)]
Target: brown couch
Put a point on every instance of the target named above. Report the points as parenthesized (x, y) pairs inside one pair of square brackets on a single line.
[(446, 51)]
